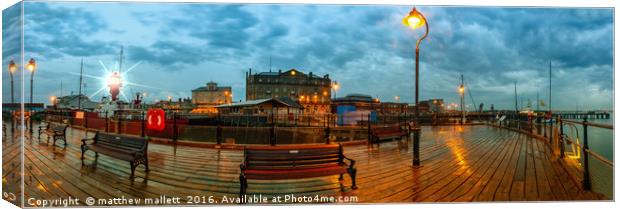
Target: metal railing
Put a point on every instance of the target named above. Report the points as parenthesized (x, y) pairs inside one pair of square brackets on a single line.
[(600, 180), (569, 139)]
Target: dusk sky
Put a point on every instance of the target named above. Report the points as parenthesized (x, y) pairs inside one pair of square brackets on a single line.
[(179, 47)]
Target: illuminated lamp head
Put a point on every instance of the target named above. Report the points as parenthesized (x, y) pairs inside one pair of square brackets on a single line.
[(414, 20)]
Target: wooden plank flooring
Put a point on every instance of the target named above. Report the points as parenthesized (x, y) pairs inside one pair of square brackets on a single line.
[(459, 164)]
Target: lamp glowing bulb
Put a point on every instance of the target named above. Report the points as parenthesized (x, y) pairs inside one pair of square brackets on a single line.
[(32, 65), (414, 20), (12, 67)]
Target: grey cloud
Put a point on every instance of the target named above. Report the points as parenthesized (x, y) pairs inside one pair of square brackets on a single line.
[(54, 32)]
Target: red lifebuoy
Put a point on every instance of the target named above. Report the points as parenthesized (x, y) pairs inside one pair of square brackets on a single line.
[(156, 119)]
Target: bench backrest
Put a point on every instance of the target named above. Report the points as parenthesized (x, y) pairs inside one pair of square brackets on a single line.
[(386, 129), (58, 127), (121, 142), (292, 157)]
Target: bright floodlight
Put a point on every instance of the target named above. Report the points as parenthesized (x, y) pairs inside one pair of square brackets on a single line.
[(114, 80)]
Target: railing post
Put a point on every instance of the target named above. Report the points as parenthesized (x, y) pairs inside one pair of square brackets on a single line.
[(531, 126), (118, 121), (106, 121), (327, 133), (85, 119), (368, 127), (218, 130), (550, 129), (518, 121), (544, 127), (561, 139), (272, 133), (142, 124), (586, 168), (174, 127)]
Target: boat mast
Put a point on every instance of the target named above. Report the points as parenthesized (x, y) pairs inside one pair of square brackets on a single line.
[(120, 65), (80, 88), (516, 102), (549, 86)]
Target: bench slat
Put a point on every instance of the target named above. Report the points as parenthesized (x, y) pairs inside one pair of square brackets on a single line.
[(292, 164), (294, 174)]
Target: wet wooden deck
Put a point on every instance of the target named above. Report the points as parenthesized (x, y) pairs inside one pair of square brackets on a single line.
[(459, 164)]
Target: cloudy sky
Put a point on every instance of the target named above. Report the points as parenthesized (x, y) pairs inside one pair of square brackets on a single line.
[(178, 47)]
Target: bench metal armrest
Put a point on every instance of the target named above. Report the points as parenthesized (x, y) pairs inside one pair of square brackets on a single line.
[(43, 126), (138, 154), (84, 140), (351, 161), (243, 166)]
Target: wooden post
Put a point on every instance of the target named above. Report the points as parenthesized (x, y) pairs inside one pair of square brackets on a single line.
[(586, 168)]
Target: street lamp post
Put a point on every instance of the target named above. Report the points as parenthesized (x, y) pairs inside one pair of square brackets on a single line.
[(414, 20), (12, 68), (31, 66)]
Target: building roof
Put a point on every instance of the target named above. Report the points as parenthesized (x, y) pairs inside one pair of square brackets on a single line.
[(71, 101), (268, 73), (253, 103), (219, 88), (289, 72), (290, 102)]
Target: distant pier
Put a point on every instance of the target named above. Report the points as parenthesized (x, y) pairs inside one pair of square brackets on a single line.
[(584, 114)]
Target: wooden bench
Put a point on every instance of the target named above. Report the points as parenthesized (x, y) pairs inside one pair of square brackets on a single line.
[(128, 148), (56, 131), (383, 133), (294, 162)]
